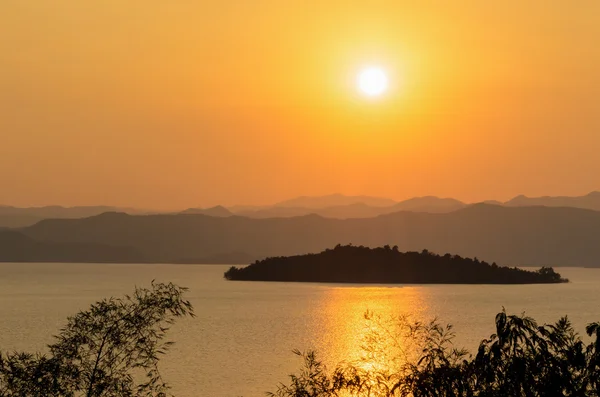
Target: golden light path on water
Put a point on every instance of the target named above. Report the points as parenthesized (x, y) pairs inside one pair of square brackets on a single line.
[(240, 342), (357, 338)]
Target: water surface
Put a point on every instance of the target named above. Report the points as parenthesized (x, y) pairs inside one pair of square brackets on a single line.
[(241, 340)]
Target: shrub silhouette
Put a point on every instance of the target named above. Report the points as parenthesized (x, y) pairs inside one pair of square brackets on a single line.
[(520, 359), (111, 349)]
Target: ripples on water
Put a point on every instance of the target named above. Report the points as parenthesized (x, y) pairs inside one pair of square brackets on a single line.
[(241, 341)]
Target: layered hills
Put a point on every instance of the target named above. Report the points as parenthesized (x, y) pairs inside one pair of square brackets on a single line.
[(17, 247), (590, 201), (336, 206), (218, 210), (346, 209), (19, 217), (509, 235), (334, 200)]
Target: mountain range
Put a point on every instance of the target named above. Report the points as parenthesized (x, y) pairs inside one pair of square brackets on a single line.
[(18, 217), (508, 235), (359, 209), (335, 206), (345, 207), (218, 210), (590, 201), (334, 200), (17, 247)]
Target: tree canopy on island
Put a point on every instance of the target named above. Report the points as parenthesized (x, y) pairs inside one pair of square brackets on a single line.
[(387, 265)]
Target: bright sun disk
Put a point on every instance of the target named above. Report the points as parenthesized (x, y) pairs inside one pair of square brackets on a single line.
[(372, 81)]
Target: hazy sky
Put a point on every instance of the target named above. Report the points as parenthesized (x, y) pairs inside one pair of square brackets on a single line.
[(179, 103)]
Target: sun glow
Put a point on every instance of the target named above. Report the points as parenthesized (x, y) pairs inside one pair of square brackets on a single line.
[(372, 81)]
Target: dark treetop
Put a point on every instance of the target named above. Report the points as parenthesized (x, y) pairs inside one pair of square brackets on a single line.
[(358, 264)]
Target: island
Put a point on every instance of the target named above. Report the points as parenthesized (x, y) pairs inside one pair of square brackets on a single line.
[(387, 265)]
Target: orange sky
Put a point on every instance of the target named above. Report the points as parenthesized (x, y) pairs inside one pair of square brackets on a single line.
[(171, 104)]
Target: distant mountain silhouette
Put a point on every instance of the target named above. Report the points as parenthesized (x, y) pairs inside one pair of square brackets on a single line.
[(509, 235), (20, 217), (590, 201), (493, 202), (429, 204), (213, 211), (335, 206), (12, 221), (333, 200), (360, 210), (279, 212), (56, 211), (236, 209), (16, 247)]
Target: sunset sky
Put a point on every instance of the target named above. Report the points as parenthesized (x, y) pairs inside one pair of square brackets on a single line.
[(172, 104)]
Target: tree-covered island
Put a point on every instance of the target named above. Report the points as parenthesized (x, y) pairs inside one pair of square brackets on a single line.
[(387, 265)]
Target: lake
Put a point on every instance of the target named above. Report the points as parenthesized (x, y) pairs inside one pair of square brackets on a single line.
[(240, 343)]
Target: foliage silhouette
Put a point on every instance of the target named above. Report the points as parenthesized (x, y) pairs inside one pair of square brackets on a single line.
[(111, 349), (520, 359), (358, 264)]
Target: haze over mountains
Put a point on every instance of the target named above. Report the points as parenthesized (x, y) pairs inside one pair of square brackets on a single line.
[(17, 247), (508, 235), (522, 231), (352, 207), (218, 210), (19, 217), (331, 206), (345, 207), (589, 201), (334, 200)]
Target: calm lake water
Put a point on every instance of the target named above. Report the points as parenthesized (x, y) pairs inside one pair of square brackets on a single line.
[(241, 340)]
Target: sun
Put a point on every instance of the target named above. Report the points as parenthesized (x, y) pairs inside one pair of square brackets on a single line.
[(372, 81)]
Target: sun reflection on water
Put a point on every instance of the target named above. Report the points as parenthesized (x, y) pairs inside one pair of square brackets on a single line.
[(359, 325)]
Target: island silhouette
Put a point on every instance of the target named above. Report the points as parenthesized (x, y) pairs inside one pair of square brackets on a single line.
[(387, 265)]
